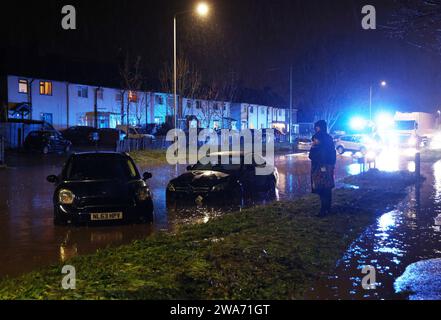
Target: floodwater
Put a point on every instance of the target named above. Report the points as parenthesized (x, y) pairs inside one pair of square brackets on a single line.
[(400, 238), (29, 240)]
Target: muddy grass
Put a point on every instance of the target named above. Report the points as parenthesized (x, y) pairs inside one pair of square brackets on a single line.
[(276, 251)]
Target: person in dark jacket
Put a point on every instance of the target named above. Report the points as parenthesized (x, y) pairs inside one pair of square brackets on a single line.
[(323, 159)]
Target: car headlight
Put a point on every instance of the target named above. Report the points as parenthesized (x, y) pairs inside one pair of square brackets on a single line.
[(219, 187), (66, 196), (143, 194), (171, 188)]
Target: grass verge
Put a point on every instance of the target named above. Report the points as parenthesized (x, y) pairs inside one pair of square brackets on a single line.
[(149, 157), (276, 251)]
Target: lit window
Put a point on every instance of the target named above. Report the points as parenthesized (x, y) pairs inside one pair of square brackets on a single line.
[(45, 88), (133, 97), (23, 86)]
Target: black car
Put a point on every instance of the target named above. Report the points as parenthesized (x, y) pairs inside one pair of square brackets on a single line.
[(223, 182), (46, 142), (101, 187), (110, 137), (80, 135)]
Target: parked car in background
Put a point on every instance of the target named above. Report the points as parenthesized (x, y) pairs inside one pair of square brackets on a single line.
[(303, 144), (357, 143), (46, 142), (222, 182), (80, 135), (134, 133), (98, 187), (110, 137)]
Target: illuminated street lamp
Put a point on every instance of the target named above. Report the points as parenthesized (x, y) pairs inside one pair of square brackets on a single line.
[(202, 10)]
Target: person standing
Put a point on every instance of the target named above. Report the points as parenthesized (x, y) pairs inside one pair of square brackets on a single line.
[(323, 158)]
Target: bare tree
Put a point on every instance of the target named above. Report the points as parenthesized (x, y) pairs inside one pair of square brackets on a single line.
[(321, 87), (131, 81), (188, 82), (418, 22)]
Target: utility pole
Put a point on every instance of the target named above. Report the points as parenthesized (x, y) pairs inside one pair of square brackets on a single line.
[(290, 104)]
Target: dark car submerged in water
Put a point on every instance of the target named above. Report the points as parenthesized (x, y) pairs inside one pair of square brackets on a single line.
[(232, 182), (101, 187)]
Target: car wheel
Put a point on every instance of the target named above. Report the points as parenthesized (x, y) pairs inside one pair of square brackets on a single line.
[(45, 150), (340, 150)]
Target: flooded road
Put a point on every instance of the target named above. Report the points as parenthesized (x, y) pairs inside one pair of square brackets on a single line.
[(29, 240), (400, 238)]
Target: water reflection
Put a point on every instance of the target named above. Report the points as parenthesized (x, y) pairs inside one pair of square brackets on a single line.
[(399, 238)]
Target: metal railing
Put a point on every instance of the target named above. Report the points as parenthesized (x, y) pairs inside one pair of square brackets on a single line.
[(130, 145)]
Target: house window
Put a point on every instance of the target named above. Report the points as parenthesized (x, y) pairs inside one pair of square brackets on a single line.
[(216, 106), (263, 111), (251, 109), (83, 92), (159, 100), (133, 96), (280, 113), (189, 104), (198, 104), (118, 97), (23, 86), (100, 94), (45, 88)]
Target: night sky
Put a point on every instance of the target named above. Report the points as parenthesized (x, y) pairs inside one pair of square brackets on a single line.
[(254, 41)]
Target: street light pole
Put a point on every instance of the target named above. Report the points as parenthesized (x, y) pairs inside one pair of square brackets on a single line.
[(290, 105), (202, 10), (175, 77)]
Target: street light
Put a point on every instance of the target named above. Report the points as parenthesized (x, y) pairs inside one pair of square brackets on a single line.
[(382, 84), (202, 10)]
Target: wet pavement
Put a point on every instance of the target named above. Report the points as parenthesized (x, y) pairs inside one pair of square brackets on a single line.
[(29, 240), (407, 235)]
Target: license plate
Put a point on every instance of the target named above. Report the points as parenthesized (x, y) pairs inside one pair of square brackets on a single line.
[(106, 216)]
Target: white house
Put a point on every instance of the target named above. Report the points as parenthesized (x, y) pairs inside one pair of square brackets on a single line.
[(65, 104)]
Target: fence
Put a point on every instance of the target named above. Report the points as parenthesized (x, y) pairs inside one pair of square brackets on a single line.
[(2, 151), (129, 145)]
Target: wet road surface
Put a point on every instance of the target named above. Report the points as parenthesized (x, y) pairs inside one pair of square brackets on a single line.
[(29, 240), (400, 238)]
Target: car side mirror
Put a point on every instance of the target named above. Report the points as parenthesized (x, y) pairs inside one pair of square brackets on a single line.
[(147, 175), (52, 179)]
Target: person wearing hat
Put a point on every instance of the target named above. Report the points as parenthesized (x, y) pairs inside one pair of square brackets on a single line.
[(323, 159)]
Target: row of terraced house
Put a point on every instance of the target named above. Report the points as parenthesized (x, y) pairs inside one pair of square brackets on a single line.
[(64, 104)]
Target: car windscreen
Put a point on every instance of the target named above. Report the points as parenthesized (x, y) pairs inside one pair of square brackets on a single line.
[(230, 167), (100, 167)]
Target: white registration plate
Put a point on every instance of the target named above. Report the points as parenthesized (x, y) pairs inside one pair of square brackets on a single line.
[(106, 216)]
